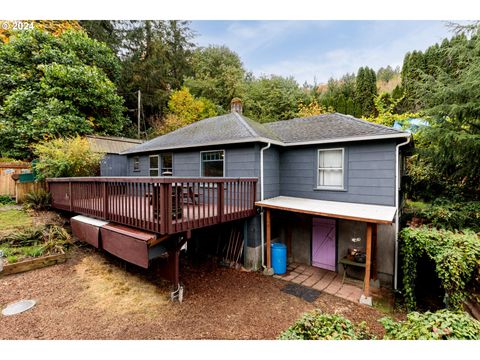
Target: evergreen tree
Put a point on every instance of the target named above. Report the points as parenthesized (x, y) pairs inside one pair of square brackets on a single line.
[(366, 90), (272, 98), (155, 59)]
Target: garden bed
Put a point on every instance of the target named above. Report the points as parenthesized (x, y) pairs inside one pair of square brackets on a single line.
[(30, 239)]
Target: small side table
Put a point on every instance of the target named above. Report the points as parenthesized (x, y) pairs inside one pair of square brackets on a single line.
[(346, 263)]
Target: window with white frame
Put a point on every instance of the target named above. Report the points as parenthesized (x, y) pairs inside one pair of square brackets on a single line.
[(212, 163), (154, 165), (167, 164), (330, 169), (136, 163)]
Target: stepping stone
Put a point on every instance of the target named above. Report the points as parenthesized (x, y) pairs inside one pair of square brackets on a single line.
[(325, 281), (300, 278), (334, 286), (313, 279)]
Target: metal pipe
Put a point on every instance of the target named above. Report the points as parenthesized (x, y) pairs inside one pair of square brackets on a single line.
[(397, 200), (262, 229)]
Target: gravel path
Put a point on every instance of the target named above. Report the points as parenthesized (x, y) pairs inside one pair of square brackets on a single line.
[(94, 296)]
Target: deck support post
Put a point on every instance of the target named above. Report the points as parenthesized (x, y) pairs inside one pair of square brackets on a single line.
[(366, 299), (268, 236)]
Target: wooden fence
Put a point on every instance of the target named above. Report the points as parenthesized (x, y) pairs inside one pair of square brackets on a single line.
[(7, 169)]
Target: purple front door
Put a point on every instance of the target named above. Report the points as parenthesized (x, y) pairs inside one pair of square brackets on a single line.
[(323, 243)]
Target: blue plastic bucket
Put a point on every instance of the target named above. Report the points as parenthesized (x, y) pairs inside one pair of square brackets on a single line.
[(279, 258)]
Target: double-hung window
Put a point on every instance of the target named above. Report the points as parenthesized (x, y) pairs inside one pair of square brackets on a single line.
[(167, 164), (154, 165), (330, 169), (212, 163), (136, 164)]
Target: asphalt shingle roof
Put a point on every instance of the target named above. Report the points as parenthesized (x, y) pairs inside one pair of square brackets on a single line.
[(111, 144), (326, 126), (236, 128)]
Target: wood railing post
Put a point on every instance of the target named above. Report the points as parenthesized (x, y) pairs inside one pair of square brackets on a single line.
[(168, 207), (220, 200), (159, 206), (70, 196), (105, 201)]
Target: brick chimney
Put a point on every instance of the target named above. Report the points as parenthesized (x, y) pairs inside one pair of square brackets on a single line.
[(236, 105)]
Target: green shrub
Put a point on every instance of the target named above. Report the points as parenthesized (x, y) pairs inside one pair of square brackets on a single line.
[(447, 215), (315, 325), (456, 256), (440, 325), (37, 200), (66, 158), (6, 200)]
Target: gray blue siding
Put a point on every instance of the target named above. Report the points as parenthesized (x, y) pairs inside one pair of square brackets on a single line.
[(240, 161), (113, 165), (369, 170), (271, 172)]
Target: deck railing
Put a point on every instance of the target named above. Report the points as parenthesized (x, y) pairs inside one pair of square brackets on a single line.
[(164, 205)]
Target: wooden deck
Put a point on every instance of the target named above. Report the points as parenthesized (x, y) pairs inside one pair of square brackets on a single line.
[(163, 205)]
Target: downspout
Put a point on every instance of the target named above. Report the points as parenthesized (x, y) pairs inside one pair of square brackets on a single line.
[(262, 226), (397, 204)]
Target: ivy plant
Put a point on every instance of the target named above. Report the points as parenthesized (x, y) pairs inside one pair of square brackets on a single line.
[(456, 256), (439, 325)]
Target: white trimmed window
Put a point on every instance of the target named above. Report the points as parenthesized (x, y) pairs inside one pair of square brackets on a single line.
[(330, 169), (167, 164), (154, 165), (136, 163), (212, 163)]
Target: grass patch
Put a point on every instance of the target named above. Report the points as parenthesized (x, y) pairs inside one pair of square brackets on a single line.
[(113, 289), (14, 219)]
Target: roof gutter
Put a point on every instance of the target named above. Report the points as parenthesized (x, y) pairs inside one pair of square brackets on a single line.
[(397, 204), (262, 235), (349, 139)]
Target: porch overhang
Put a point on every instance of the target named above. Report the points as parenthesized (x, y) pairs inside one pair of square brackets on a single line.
[(376, 214), (370, 214)]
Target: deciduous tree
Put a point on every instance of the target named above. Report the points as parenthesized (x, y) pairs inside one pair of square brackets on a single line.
[(56, 86)]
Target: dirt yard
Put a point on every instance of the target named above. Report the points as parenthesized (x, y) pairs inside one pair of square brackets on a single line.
[(94, 296)]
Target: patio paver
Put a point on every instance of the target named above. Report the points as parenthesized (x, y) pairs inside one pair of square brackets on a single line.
[(320, 279)]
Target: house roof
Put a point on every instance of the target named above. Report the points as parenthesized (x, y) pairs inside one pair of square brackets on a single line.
[(327, 127), (236, 128), (335, 209), (223, 129), (111, 144)]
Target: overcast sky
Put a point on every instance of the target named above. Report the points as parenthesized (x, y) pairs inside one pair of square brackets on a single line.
[(319, 49)]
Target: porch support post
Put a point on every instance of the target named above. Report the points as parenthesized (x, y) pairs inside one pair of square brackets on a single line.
[(374, 253), (368, 260), (269, 236), (289, 239)]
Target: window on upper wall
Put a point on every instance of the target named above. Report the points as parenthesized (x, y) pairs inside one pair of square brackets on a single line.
[(136, 163), (330, 169), (167, 164), (154, 165), (212, 163)]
